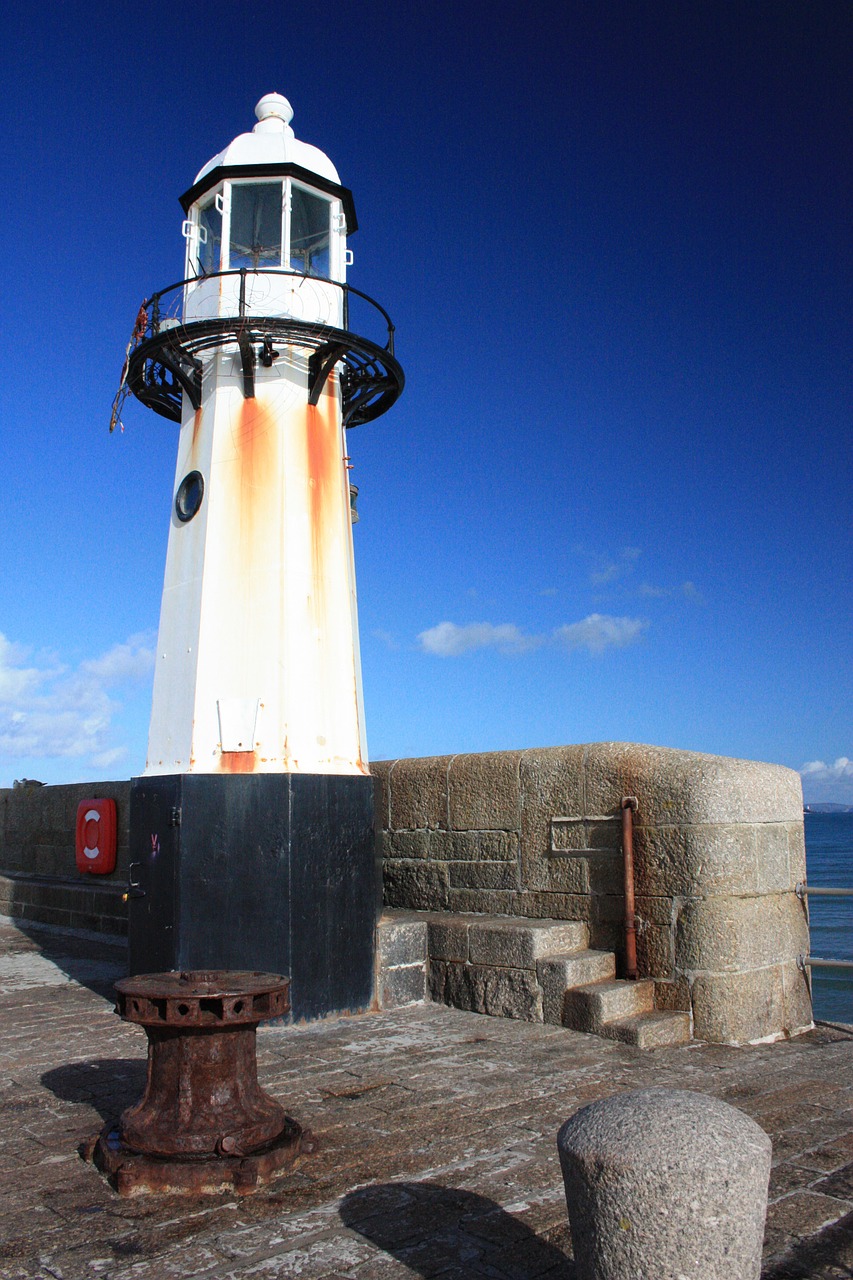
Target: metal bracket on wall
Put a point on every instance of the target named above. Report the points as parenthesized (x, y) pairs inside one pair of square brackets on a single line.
[(184, 368), (247, 362), (320, 365), (134, 888)]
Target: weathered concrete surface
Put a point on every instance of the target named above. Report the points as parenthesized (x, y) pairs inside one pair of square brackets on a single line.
[(665, 1183), (718, 847), (437, 1132)]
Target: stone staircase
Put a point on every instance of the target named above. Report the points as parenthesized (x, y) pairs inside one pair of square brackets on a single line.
[(512, 967)]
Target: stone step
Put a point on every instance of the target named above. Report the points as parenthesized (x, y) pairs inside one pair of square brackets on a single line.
[(516, 943), (401, 959), (558, 973), (515, 967), (653, 1030), (401, 938), (499, 992), (589, 1007)]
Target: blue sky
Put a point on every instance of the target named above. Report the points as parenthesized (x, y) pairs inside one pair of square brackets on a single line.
[(614, 500)]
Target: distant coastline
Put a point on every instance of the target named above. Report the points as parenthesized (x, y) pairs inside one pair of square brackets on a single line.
[(828, 808)]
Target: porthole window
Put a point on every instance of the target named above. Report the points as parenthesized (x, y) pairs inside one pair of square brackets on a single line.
[(189, 496)]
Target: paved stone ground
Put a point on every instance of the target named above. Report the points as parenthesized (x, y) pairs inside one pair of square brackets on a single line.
[(437, 1130)]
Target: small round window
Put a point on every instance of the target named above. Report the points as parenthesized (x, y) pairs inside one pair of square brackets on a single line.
[(189, 496)]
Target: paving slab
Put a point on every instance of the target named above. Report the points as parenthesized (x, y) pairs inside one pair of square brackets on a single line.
[(437, 1131)]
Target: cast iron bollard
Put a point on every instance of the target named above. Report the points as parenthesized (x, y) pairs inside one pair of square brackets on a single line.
[(203, 1124), (663, 1184)]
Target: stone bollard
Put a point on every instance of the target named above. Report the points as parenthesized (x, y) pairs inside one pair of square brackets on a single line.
[(663, 1184)]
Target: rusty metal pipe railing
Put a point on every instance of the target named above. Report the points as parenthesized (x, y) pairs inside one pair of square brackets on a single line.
[(804, 891), (629, 804), (813, 962)]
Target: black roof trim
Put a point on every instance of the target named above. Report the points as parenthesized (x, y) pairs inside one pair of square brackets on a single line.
[(223, 172)]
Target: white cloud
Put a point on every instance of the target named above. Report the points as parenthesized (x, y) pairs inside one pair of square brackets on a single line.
[(448, 640), (691, 592), (843, 768), (594, 633), (106, 759), (601, 631), (688, 590), (610, 570), (385, 637), (49, 711), (16, 681), (129, 661), (605, 570), (828, 782)]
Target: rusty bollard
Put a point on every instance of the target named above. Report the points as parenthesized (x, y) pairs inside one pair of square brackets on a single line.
[(203, 1124)]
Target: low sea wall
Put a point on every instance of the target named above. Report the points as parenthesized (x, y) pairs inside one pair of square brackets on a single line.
[(39, 881), (718, 851)]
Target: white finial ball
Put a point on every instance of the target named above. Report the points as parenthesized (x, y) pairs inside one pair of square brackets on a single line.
[(274, 106)]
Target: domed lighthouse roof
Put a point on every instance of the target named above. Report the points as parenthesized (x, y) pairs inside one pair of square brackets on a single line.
[(272, 148), (272, 141)]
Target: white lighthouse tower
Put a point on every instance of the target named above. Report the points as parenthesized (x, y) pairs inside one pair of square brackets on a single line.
[(256, 775)]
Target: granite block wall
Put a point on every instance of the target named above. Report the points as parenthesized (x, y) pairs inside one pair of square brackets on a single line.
[(39, 881), (719, 850), (718, 842)]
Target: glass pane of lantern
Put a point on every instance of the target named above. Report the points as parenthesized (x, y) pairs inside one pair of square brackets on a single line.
[(310, 218), (255, 225), (209, 238)]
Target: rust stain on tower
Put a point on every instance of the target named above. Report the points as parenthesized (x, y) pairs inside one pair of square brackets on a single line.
[(324, 468), (238, 761), (259, 480)]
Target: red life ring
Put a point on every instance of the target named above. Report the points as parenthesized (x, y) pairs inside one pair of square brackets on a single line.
[(96, 837)]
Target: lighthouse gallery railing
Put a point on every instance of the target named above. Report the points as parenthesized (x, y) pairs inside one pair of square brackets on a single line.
[(165, 359)]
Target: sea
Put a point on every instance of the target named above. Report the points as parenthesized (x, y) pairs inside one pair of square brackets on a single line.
[(829, 864)]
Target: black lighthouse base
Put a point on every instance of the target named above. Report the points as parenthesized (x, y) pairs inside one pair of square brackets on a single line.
[(271, 872)]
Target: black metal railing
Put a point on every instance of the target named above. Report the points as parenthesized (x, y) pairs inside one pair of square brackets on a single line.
[(165, 357), (173, 310)]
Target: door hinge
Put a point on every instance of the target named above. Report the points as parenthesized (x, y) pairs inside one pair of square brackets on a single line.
[(175, 816)]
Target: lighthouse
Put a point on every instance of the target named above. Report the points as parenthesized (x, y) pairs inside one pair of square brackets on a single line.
[(252, 841)]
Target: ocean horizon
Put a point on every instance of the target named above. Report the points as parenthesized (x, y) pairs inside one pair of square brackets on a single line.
[(829, 863)]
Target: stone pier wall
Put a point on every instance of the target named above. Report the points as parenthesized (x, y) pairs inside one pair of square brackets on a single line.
[(718, 851), (718, 847), (39, 881)]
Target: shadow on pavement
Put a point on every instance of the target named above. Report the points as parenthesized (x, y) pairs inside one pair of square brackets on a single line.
[(829, 1253), (107, 1084), (440, 1231), (45, 954)]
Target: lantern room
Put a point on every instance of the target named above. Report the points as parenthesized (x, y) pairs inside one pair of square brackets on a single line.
[(268, 205), (265, 223), (266, 259), (269, 222)]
